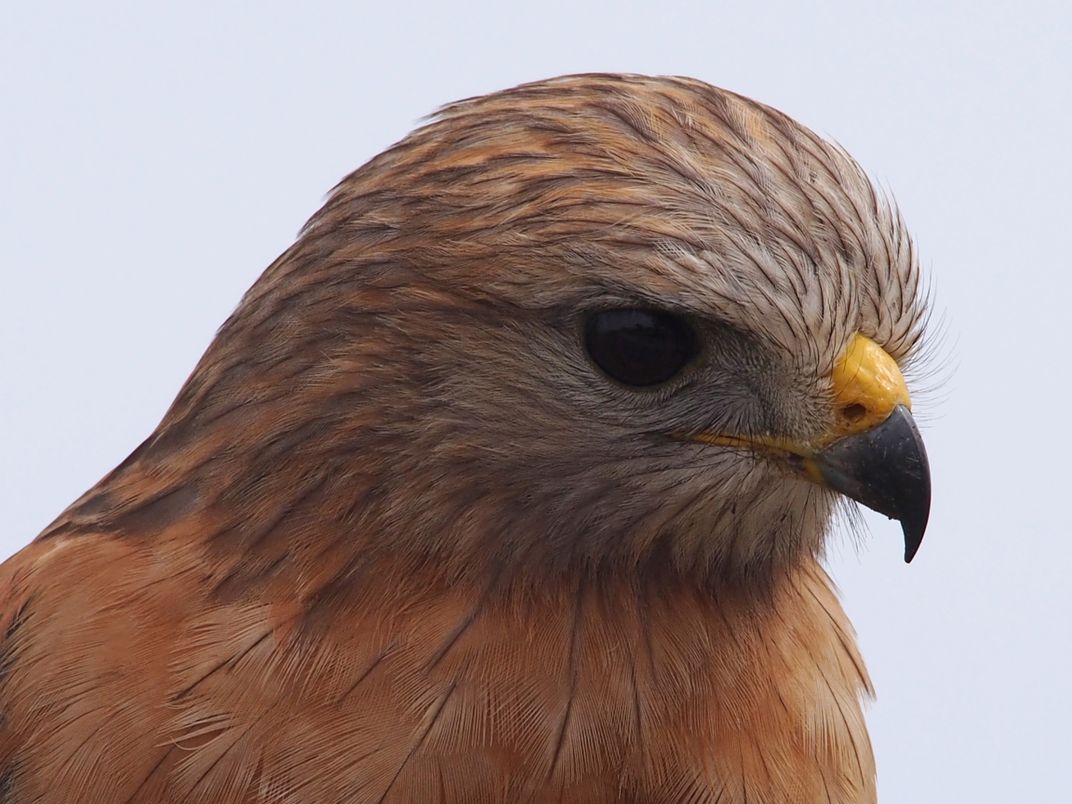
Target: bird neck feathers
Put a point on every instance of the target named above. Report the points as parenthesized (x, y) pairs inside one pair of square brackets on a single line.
[(573, 676)]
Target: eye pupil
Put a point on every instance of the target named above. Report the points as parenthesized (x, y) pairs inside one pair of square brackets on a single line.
[(639, 347)]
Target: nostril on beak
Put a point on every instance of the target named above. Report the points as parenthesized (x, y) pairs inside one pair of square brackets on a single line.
[(854, 412)]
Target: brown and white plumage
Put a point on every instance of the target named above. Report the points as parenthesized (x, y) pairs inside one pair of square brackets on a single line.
[(398, 539)]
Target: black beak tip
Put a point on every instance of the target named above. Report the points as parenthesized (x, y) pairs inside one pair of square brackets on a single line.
[(916, 494), (913, 536), (886, 469)]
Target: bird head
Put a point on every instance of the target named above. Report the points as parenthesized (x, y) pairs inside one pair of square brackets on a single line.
[(604, 321)]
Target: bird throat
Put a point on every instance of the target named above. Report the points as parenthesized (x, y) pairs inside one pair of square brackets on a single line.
[(609, 692)]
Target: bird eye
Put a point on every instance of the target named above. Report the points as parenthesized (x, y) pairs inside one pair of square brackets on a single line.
[(639, 347)]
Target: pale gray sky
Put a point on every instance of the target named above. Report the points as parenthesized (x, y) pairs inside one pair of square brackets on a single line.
[(155, 161)]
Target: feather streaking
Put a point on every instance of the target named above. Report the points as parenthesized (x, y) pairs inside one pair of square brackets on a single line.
[(397, 540)]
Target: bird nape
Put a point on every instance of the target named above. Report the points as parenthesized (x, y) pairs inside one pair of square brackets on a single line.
[(508, 481)]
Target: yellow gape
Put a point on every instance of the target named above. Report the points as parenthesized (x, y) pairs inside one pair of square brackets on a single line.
[(873, 453)]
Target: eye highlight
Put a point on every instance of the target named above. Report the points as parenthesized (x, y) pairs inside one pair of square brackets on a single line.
[(639, 347)]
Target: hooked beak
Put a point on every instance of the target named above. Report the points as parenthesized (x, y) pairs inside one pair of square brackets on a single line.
[(874, 453), (885, 468)]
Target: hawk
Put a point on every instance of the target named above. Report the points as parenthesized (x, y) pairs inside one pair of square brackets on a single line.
[(508, 481)]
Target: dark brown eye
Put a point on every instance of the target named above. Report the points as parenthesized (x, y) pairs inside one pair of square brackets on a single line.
[(639, 347)]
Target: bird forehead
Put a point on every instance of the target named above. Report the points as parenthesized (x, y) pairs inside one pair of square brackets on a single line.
[(669, 189)]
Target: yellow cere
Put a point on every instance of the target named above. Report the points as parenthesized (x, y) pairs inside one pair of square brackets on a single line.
[(868, 385)]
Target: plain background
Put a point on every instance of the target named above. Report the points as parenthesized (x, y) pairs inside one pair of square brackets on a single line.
[(155, 161)]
